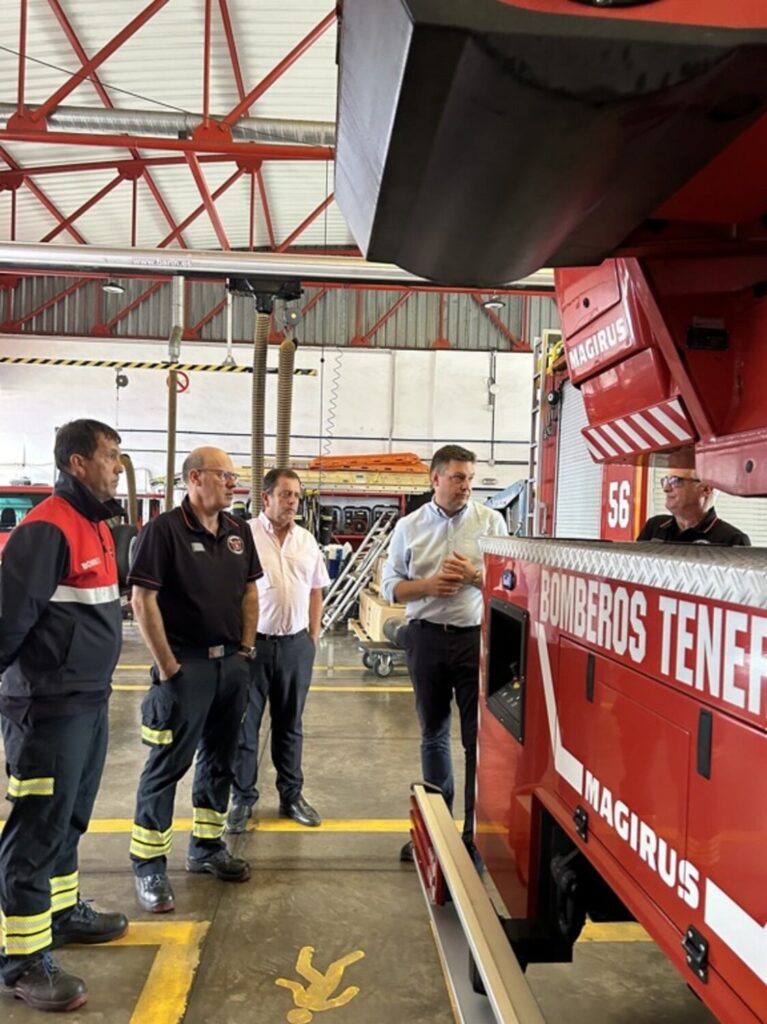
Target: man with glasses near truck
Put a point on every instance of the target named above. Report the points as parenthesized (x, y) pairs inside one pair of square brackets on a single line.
[(693, 518)]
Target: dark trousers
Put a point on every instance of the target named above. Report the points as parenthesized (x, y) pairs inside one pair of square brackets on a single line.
[(442, 665), (54, 769), (282, 673), (199, 712)]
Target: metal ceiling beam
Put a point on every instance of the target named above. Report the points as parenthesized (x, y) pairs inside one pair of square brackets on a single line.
[(365, 338), (279, 69), (87, 205), (231, 44), (147, 293), (246, 150), (88, 67), (284, 246), (38, 193), (210, 206), (265, 208), (63, 259), (200, 209), (38, 170), (22, 58), (514, 343), (16, 325), (105, 98)]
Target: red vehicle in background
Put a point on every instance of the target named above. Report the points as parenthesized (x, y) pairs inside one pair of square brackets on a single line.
[(15, 502)]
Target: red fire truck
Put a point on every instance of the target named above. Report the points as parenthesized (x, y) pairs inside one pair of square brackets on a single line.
[(623, 694)]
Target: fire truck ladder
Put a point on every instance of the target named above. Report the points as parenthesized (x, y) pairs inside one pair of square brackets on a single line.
[(539, 379), (358, 571)]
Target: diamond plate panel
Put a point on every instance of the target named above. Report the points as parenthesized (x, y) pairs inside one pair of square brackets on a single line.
[(736, 575)]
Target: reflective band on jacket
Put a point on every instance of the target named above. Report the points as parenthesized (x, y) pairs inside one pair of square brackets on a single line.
[(146, 843), (91, 595), (64, 889), (22, 936), (207, 823), (29, 787), (157, 737)]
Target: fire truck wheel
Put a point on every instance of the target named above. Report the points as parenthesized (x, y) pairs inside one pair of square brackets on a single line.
[(384, 665), (124, 537)]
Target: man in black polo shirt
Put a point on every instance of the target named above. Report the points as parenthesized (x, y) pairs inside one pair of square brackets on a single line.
[(194, 595), (693, 519)]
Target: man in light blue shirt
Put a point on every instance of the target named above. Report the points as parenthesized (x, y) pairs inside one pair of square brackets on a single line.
[(434, 567)]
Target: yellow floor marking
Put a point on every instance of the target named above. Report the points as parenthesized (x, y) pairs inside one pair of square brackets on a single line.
[(318, 994), (166, 991), (316, 688), (621, 931)]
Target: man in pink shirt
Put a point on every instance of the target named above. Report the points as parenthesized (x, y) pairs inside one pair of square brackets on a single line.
[(290, 613)]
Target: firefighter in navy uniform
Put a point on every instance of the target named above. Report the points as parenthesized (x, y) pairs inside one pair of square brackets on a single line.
[(194, 595), (60, 637), (693, 518)]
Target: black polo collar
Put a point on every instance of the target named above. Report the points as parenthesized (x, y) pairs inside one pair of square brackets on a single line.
[(226, 524)]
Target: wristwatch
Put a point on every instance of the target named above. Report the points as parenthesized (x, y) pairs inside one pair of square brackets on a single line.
[(247, 652)]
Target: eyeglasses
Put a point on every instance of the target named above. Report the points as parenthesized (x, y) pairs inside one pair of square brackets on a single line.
[(677, 481), (223, 474)]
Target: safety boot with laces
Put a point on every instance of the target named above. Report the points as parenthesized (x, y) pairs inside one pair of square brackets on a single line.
[(84, 924), (45, 985)]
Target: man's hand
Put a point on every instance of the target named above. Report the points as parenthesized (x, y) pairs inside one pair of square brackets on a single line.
[(167, 672), (444, 584), (459, 567)]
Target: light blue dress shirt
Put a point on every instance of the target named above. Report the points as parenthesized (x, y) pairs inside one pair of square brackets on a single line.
[(420, 544)]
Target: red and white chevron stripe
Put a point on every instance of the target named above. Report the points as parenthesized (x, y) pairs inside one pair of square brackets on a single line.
[(660, 426)]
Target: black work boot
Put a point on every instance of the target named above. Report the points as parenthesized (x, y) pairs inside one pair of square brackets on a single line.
[(154, 893), (84, 924), (45, 985), (221, 865)]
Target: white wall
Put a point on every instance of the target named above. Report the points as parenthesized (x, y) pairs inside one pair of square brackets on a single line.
[(361, 401)]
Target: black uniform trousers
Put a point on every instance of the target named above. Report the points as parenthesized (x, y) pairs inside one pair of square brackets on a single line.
[(443, 664), (282, 673), (199, 711), (54, 769)]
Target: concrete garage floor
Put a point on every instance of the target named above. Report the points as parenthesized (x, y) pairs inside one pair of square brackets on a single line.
[(337, 892)]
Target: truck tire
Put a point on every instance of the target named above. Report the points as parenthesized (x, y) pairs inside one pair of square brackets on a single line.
[(124, 537)]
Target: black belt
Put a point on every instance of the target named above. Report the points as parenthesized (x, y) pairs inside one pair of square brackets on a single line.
[(280, 636), (444, 627), (217, 651)]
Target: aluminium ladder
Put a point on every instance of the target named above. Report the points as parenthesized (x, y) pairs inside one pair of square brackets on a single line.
[(358, 571)]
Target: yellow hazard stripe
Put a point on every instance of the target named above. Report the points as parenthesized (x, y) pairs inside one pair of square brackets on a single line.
[(26, 924), (207, 823), (64, 889), (156, 737), (209, 816), (29, 787), (23, 946), (207, 831), (62, 882), (122, 364), (146, 843), (22, 935)]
